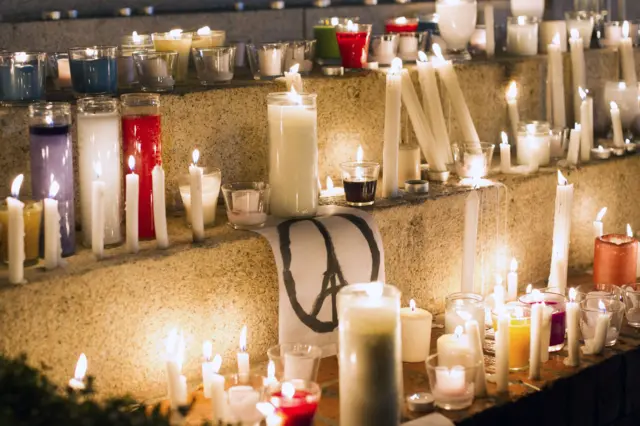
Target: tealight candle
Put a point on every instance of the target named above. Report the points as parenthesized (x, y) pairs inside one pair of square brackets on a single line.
[(601, 153), (205, 37), (534, 143), (22, 76), (416, 333)]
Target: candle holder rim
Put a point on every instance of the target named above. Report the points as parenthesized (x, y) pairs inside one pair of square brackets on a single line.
[(300, 41), (277, 97), (213, 49), (46, 106), (627, 239), (411, 33), (94, 47), (515, 20), (211, 33), (607, 302), (166, 35), (89, 102), (464, 295), (471, 358), (360, 289), (314, 389), (615, 23), (134, 99), (326, 22), (6, 54), (246, 185), (268, 44), (580, 15), (631, 288), (469, 144), (526, 311), (359, 28), (522, 297), (206, 171), (391, 36), (274, 352), (409, 20), (351, 164), (150, 54)]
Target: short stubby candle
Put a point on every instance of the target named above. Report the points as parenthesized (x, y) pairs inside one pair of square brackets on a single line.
[(353, 41), (615, 259), (401, 25), (360, 180), (519, 331), (558, 318), (94, 70), (141, 138), (296, 402)]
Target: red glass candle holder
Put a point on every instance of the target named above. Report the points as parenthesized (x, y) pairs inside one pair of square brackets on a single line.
[(615, 258), (296, 401), (401, 25), (353, 41)]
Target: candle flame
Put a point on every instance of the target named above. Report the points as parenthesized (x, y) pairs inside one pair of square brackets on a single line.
[(53, 189), (351, 27), (575, 34), (294, 96), (583, 93), (375, 289), (216, 363), (329, 183), (396, 65), (334, 21), (288, 390), (359, 154), (514, 264), (577, 126), (97, 168), (15, 186), (91, 53), (572, 294), (498, 279), (207, 350), (195, 156), (614, 106), (81, 368), (601, 214), (175, 34), (458, 331), (518, 312), (265, 408), (135, 37), (294, 69), (522, 20), (601, 306), (629, 231), (531, 129), (243, 339), (412, 305), (132, 163), (600, 148), (20, 57), (438, 51), (505, 138), (175, 347), (556, 40), (512, 92), (537, 295), (625, 29), (401, 20), (203, 31), (529, 289), (422, 57), (562, 181), (271, 370), (627, 141)]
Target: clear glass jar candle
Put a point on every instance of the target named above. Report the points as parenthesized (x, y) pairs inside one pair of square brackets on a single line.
[(215, 65), (157, 71), (383, 48), (94, 70), (302, 53), (175, 41), (409, 44), (457, 22), (592, 309), (453, 387), (247, 204), (22, 76), (522, 35), (266, 60), (360, 180), (461, 307), (534, 142)]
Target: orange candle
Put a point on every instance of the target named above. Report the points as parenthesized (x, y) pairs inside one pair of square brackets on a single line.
[(615, 258)]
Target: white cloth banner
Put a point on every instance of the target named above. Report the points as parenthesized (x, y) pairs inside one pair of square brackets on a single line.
[(315, 258)]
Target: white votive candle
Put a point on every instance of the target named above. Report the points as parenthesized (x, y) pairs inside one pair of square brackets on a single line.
[(454, 349), (416, 333)]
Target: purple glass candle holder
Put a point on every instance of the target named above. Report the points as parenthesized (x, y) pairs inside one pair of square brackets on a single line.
[(558, 319)]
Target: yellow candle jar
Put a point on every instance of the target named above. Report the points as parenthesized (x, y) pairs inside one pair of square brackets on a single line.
[(519, 335), (32, 221), (175, 41), (205, 38)]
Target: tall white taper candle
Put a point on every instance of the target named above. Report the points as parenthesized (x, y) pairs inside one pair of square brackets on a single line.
[(159, 207), (131, 203), (393, 106), (15, 234), (52, 244), (97, 213), (197, 215)]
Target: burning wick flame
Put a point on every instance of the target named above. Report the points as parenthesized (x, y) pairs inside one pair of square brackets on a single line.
[(625, 29), (562, 181), (518, 312), (175, 347), (529, 289), (601, 214), (572, 294), (294, 96), (135, 37), (195, 156), (271, 370), (203, 31), (422, 57), (294, 69), (81, 368), (207, 350), (412, 305), (374, 290), (53, 189), (614, 106), (288, 390), (351, 27), (575, 34), (243, 339), (629, 231), (396, 65), (505, 138), (175, 34), (601, 306), (458, 331), (512, 92), (217, 363), (438, 51), (329, 183), (556, 39), (132, 163), (583, 93), (401, 20), (15, 186), (359, 154), (514, 264)]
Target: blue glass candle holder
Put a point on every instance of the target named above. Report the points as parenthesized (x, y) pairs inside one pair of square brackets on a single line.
[(22, 76), (94, 70)]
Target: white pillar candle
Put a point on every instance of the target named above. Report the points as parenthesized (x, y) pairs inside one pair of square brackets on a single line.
[(197, 215), (598, 226), (561, 232), (505, 154), (270, 61), (512, 281), (210, 368), (534, 342), (512, 108), (15, 234), (489, 23), (461, 110), (586, 125), (293, 79), (159, 207), (52, 244), (573, 330), (602, 327), (616, 122), (574, 146), (545, 334), (578, 70), (408, 163), (502, 352), (432, 106), (557, 83), (454, 349), (470, 236), (131, 203), (627, 60), (218, 396), (498, 294), (243, 356), (393, 106), (97, 213), (416, 333), (522, 36), (176, 382), (472, 329)]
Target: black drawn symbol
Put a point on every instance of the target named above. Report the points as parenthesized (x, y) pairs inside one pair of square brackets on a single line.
[(332, 280)]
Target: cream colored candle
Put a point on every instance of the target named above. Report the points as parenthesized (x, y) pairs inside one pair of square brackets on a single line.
[(131, 206), (574, 146), (505, 154), (602, 326), (598, 226), (178, 41), (534, 344), (16, 233), (616, 123), (470, 236), (159, 207), (97, 214), (243, 356), (489, 23), (416, 333), (197, 215), (627, 59), (472, 329), (454, 349), (586, 125), (176, 382), (408, 163), (557, 83), (391, 142), (578, 70), (561, 232), (512, 108), (573, 330), (512, 281), (502, 352)]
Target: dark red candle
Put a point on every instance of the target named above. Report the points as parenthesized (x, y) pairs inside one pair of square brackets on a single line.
[(401, 25), (615, 260), (353, 42), (296, 408)]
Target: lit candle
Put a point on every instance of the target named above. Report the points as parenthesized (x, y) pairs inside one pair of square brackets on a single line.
[(601, 153), (557, 83), (453, 349), (561, 232), (627, 59), (505, 154), (97, 213), (271, 380), (77, 382), (416, 333), (498, 293), (602, 326), (471, 215), (529, 288), (586, 125), (208, 367), (131, 201), (616, 123), (177, 383), (52, 244), (218, 397), (243, 356), (512, 107), (460, 108), (534, 343), (197, 215), (332, 191), (578, 69), (502, 352), (472, 329), (450, 381), (15, 234), (393, 105), (573, 330), (512, 281), (574, 145), (598, 226), (293, 79), (489, 23), (159, 207)]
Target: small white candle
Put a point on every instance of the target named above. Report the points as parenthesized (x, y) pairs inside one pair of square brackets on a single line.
[(561, 232), (598, 226), (586, 125), (602, 327), (197, 215), (627, 60), (472, 329), (557, 83), (15, 234), (416, 333), (293, 79), (545, 334), (616, 122), (505, 154), (159, 207), (502, 352), (131, 202), (176, 382), (534, 343), (489, 23), (97, 213), (52, 244), (218, 397), (512, 281), (574, 145), (601, 153), (498, 293), (573, 330), (453, 349), (512, 108), (270, 61), (208, 367), (391, 145), (471, 215), (578, 69), (77, 382), (243, 356)]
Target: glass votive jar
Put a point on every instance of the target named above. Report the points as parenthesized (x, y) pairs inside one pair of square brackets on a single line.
[(612, 33), (353, 42), (135, 41), (238, 406), (301, 52), (126, 71), (206, 38), (215, 65), (247, 203), (594, 292), (22, 76), (519, 334), (32, 216), (615, 260), (156, 71), (522, 35), (583, 22), (534, 143), (266, 60), (460, 307), (557, 302), (453, 388), (296, 361), (175, 41), (632, 304), (360, 180), (532, 8), (94, 70), (557, 142), (383, 48), (457, 22), (59, 70), (327, 51), (211, 177), (472, 160), (296, 401), (409, 44), (401, 24), (590, 314)]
